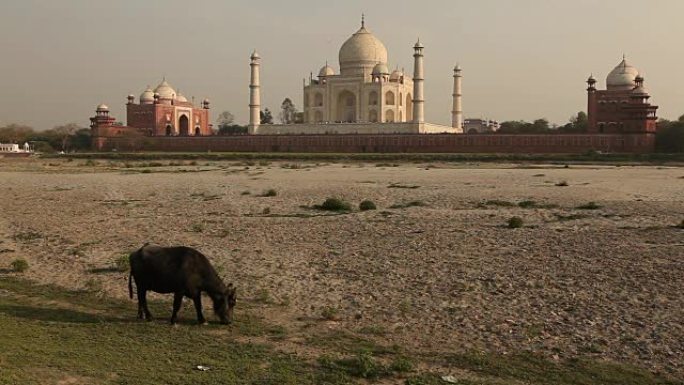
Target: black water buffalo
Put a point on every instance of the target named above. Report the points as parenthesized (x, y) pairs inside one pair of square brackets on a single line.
[(184, 272)]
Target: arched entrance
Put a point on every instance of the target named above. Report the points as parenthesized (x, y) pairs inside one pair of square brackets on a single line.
[(346, 107), (169, 130), (183, 124), (197, 131)]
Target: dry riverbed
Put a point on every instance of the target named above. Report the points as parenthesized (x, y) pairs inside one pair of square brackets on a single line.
[(435, 268)]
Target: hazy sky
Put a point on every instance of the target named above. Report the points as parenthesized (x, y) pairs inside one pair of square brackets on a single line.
[(522, 59)]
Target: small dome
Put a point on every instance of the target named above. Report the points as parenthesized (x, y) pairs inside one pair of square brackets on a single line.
[(362, 50), (396, 76), (147, 97), (326, 71), (102, 108), (165, 90), (181, 98), (622, 77), (381, 69)]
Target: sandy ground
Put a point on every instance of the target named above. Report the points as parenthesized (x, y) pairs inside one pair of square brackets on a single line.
[(447, 276)]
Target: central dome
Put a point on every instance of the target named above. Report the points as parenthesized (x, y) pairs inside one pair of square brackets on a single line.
[(361, 52), (622, 77)]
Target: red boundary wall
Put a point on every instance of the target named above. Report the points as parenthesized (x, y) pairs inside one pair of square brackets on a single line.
[(416, 143)]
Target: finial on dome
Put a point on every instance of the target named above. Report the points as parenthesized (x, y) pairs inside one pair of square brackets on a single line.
[(363, 20)]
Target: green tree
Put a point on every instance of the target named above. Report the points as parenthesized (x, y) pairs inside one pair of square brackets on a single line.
[(232, 129), (225, 118), (266, 116), (288, 112), (64, 133), (670, 136), (16, 133)]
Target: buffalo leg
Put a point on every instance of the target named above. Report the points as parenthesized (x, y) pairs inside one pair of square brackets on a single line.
[(142, 302), (177, 302), (197, 299)]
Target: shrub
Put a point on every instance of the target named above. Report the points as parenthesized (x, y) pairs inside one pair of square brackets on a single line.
[(90, 162), (334, 204), (20, 265), (367, 205), (245, 193), (562, 183), (681, 225), (121, 263), (269, 193), (589, 206), (515, 223), (527, 204), (266, 211)]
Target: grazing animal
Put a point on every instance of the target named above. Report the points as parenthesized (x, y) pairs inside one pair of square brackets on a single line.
[(183, 271)]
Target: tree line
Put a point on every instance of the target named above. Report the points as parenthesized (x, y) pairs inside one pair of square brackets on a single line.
[(72, 137), (669, 137), (67, 137), (288, 115)]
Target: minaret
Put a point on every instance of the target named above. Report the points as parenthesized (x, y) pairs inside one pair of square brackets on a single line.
[(254, 95), (457, 111), (591, 104), (418, 79)]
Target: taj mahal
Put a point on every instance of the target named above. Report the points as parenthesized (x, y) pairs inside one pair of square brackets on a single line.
[(366, 107), (365, 97)]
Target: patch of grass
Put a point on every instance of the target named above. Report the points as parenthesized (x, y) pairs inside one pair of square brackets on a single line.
[(528, 204), (27, 236), (533, 369), (263, 296), (386, 165), (589, 206), (570, 217), (401, 365), (20, 265), (121, 263), (408, 205), (334, 204), (402, 186), (90, 163), (266, 211), (329, 313), (197, 227), (367, 205), (374, 330), (562, 183), (499, 203), (82, 337), (515, 223), (245, 193), (363, 365), (269, 193)]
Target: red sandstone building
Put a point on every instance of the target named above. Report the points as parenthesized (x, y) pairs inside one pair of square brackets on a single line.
[(160, 112), (623, 107)]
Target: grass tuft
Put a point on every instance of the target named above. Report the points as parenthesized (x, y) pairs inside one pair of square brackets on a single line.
[(589, 206), (334, 204), (515, 223), (20, 265), (367, 205), (121, 263)]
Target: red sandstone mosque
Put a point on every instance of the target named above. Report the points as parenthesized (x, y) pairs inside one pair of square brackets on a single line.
[(357, 111), (159, 112)]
